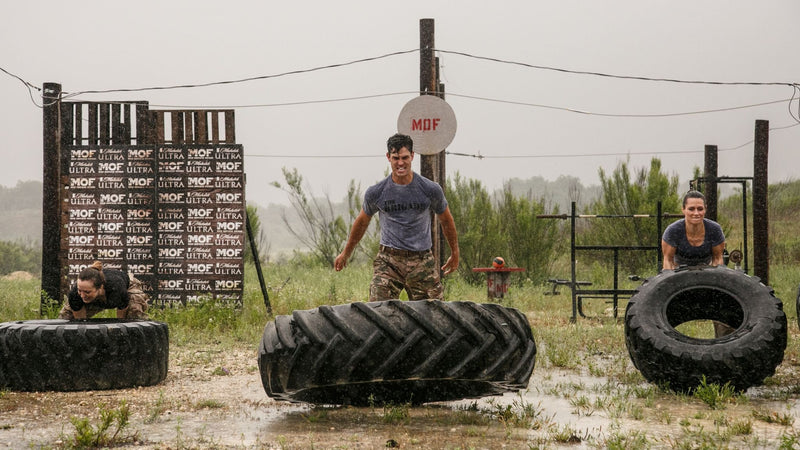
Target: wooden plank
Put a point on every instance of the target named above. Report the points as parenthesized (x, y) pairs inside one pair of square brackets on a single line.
[(201, 131), (126, 123), (67, 124), (92, 123), (160, 138), (188, 127), (104, 132), (143, 125), (215, 127), (116, 120), (177, 127), (79, 123), (230, 127)]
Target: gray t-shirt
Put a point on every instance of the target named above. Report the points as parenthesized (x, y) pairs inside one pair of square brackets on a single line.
[(405, 211), (685, 253)]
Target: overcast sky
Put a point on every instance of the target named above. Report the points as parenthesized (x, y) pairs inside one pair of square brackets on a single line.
[(97, 45)]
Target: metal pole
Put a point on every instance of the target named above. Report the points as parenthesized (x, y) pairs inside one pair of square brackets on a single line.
[(744, 225), (760, 202), (257, 261), (572, 264), (51, 204)]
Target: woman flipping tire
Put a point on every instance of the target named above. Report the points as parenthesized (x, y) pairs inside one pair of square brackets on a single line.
[(82, 355), (396, 351), (743, 358)]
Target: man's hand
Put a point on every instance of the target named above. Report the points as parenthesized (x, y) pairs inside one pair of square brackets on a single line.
[(451, 265), (340, 262)]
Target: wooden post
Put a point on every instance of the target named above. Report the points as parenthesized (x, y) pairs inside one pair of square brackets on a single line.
[(51, 198), (428, 84), (711, 181), (760, 202)]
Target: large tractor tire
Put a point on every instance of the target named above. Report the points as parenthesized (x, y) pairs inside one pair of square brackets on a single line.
[(743, 358), (396, 352), (81, 355)]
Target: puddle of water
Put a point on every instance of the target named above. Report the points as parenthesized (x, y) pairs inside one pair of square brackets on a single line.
[(248, 418)]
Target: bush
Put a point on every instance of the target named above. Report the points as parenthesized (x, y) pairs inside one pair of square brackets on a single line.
[(16, 256)]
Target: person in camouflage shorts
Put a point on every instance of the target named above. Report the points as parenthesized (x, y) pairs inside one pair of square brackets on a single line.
[(417, 269), (97, 289), (404, 201)]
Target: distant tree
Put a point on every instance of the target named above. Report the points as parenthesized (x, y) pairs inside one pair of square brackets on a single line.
[(477, 225), (323, 230), (530, 242), (626, 195), (259, 236), (16, 256)]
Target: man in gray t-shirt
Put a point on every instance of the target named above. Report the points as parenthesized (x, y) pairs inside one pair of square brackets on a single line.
[(404, 202)]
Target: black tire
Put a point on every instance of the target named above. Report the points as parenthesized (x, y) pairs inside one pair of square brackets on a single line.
[(396, 352), (797, 306), (743, 358), (81, 355)]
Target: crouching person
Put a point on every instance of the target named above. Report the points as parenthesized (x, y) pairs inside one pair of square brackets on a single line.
[(97, 289)]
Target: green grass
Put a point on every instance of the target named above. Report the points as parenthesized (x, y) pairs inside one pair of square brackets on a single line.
[(593, 346)]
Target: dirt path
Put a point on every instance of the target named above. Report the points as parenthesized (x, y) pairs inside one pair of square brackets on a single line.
[(214, 399)]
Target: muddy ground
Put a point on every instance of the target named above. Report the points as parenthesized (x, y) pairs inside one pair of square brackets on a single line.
[(214, 399)]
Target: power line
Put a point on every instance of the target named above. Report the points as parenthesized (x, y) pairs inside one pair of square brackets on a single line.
[(487, 99), (624, 77), (295, 103), (549, 155), (248, 79)]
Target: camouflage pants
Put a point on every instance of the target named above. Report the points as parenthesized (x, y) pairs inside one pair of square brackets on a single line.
[(137, 307), (395, 270)]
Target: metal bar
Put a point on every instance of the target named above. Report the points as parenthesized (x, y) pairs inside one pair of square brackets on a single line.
[(744, 226), (615, 247), (257, 261), (616, 279), (573, 277), (609, 292)]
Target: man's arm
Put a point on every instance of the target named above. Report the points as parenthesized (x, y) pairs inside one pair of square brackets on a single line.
[(668, 252), (450, 233), (357, 231)]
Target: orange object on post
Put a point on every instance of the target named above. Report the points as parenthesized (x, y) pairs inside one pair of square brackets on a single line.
[(497, 279)]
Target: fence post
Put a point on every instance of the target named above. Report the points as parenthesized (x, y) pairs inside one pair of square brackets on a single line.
[(760, 202), (51, 198), (711, 181)]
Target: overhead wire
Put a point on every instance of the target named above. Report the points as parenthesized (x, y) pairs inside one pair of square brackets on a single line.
[(794, 86)]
